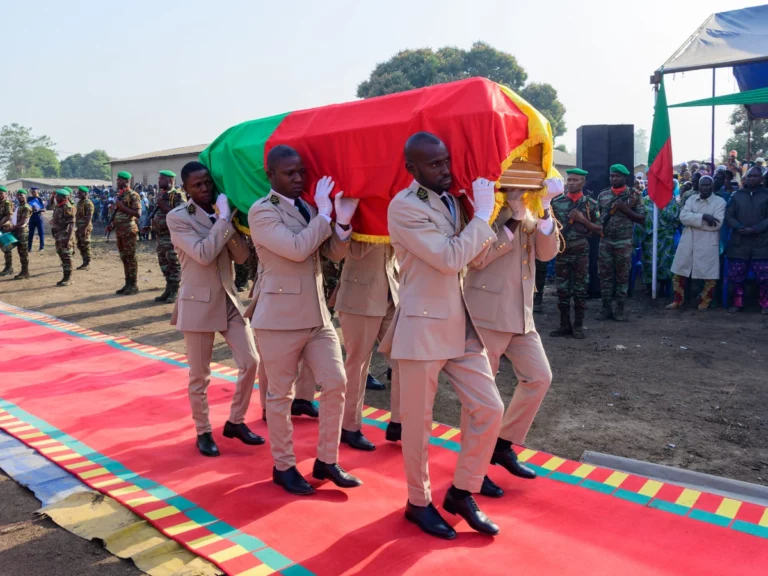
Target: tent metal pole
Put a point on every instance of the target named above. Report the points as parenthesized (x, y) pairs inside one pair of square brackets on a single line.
[(713, 119)]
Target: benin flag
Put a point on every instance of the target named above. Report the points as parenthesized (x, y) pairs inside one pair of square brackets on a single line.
[(360, 145), (660, 184)]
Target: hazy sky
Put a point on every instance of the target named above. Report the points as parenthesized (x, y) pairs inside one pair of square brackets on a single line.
[(138, 76)]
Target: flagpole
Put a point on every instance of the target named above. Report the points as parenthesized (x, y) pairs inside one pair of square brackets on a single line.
[(655, 220)]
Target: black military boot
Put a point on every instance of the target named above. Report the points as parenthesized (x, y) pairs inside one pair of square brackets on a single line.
[(618, 311), (538, 299), (565, 328), (131, 289), (164, 296), (578, 324), (7, 271), (24, 274), (67, 280), (605, 312), (86, 265), (173, 292)]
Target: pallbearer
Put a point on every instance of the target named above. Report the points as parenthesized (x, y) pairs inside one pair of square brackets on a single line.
[(290, 314), (432, 332)]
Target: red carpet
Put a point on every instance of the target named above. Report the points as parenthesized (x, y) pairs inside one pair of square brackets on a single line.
[(133, 409)]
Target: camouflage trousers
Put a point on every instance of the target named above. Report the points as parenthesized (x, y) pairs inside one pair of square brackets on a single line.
[(572, 273), (247, 270), (127, 238), (614, 261), (167, 259), (331, 275), (8, 255), (83, 239), (541, 276), (65, 250), (23, 238)]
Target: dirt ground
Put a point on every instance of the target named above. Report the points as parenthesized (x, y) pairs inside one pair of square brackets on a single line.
[(684, 388)]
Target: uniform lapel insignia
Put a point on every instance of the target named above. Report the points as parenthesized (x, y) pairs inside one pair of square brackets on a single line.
[(422, 195), (275, 200), (191, 209)]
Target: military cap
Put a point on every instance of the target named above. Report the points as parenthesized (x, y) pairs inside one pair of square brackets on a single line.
[(168, 173), (577, 171), (126, 175), (68, 189), (63, 192), (620, 168), (21, 191), (83, 188), (3, 189)]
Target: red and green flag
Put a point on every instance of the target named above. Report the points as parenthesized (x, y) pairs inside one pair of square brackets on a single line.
[(660, 185), (360, 145)]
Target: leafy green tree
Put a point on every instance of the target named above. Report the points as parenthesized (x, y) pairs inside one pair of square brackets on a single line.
[(738, 141), (94, 165), (43, 160), (411, 69), (20, 149)]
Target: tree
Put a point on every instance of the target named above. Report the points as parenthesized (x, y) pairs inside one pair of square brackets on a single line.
[(738, 142), (641, 147), (42, 160), (16, 151), (411, 69), (94, 165)]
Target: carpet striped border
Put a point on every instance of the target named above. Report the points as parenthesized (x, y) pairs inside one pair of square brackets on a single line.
[(671, 498)]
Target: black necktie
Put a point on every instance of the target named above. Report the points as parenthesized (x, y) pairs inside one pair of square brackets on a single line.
[(302, 209), (447, 205), (213, 219)]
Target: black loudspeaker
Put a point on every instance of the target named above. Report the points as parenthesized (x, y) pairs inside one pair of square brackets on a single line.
[(597, 149)]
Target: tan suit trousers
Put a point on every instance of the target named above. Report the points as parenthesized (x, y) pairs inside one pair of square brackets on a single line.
[(320, 350), (360, 334), (481, 413), (305, 384), (529, 361), (199, 345)]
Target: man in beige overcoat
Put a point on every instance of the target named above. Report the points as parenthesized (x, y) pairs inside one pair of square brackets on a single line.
[(290, 315), (206, 244), (432, 332), (366, 300), (499, 292)]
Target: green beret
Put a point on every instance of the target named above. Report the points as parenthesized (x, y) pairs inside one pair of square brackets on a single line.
[(577, 171), (620, 168), (126, 175), (63, 192), (21, 191), (168, 173), (3, 189), (83, 188), (68, 189)]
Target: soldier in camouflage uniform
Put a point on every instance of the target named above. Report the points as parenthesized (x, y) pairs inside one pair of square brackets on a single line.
[(246, 271), (84, 226), (62, 228), (579, 216), (540, 281), (169, 198), (6, 211), (127, 212), (21, 232), (621, 207)]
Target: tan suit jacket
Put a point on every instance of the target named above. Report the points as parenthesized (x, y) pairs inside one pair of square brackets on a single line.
[(500, 286), (368, 278), (206, 252), (290, 288), (432, 250)]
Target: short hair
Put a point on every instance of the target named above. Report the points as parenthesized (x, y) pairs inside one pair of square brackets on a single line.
[(417, 140), (190, 167), (278, 153)]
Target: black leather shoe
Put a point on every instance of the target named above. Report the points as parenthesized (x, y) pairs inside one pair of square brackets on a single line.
[(508, 459), (242, 433), (394, 431), (429, 520), (467, 508), (357, 441), (206, 445), (335, 474), (292, 481), (372, 384), (491, 489), (304, 408)]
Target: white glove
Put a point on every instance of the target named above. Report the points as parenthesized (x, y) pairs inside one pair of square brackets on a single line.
[(222, 204), (554, 188), (323, 191), (518, 209), (483, 191), (345, 208)]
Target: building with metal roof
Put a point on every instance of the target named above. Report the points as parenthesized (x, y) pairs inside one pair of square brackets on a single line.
[(53, 183)]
